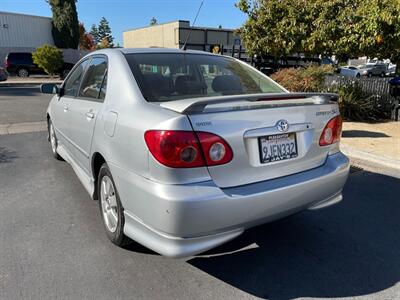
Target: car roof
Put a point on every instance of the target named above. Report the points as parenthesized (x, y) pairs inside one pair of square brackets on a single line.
[(159, 50)]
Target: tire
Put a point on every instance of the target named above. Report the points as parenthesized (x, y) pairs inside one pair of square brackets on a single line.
[(111, 210), (53, 140), (64, 74), (358, 75), (23, 73)]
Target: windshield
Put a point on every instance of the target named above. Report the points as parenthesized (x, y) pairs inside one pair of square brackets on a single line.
[(170, 76)]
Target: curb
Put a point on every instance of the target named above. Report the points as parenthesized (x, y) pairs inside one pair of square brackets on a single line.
[(371, 161), (6, 129)]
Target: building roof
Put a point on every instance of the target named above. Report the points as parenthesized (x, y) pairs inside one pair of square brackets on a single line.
[(185, 21), (24, 15), (158, 50)]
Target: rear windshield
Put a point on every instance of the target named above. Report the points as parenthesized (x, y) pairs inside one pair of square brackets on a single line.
[(17, 57), (170, 76)]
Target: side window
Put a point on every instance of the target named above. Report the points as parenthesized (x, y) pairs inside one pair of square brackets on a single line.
[(92, 84), (71, 85), (103, 88)]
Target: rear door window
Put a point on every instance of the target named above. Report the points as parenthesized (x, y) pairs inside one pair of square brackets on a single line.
[(73, 81), (94, 84)]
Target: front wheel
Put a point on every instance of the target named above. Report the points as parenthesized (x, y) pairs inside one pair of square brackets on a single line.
[(111, 208)]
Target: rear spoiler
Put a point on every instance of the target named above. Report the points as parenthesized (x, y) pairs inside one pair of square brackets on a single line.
[(244, 102)]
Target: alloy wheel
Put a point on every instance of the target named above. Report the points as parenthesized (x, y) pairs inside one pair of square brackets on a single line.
[(109, 206), (23, 73), (53, 139)]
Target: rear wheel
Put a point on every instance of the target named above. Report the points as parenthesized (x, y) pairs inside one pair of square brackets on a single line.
[(23, 73), (64, 74), (53, 141), (111, 208)]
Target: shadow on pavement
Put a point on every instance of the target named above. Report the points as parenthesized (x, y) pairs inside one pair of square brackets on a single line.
[(363, 134), (7, 156), (350, 249), (20, 91)]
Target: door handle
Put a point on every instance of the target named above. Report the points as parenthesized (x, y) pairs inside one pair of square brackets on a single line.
[(66, 108), (89, 115)]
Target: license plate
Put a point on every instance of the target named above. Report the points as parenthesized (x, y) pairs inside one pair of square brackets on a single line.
[(277, 147)]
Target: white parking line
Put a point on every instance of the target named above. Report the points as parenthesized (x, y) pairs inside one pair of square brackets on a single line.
[(13, 128)]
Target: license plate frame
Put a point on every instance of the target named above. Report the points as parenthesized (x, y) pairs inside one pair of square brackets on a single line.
[(268, 158)]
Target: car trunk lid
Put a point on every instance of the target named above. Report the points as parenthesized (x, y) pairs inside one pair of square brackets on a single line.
[(252, 126)]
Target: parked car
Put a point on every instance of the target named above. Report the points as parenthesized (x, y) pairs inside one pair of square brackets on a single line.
[(3, 74), (373, 69), (182, 164), (391, 70), (350, 71), (22, 65), (269, 64)]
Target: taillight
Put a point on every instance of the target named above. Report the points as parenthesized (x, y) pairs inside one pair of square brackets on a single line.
[(216, 150), (185, 149), (332, 132), (7, 63)]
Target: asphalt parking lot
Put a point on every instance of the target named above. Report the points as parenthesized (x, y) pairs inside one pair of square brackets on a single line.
[(22, 104), (52, 243)]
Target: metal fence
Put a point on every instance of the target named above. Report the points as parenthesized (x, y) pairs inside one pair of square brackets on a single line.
[(376, 88)]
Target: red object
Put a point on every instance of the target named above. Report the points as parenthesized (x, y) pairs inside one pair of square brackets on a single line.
[(332, 132), (185, 149), (290, 97)]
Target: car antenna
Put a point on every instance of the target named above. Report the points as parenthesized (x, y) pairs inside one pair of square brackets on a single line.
[(191, 27)]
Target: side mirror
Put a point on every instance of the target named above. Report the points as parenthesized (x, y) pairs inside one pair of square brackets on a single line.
[(49, 88)]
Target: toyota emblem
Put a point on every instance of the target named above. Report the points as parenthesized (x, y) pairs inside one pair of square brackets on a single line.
[(282, 125)]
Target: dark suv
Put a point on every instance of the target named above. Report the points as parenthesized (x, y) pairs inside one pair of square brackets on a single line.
[(22, 65)]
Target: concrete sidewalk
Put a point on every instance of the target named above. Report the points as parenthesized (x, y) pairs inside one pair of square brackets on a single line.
[(29, 81), (372, 143), (22, 127)]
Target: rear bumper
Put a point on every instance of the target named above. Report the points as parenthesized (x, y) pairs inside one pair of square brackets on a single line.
[(182, 220)]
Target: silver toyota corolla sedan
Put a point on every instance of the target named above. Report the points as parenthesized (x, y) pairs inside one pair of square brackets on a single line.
[(185, 150)]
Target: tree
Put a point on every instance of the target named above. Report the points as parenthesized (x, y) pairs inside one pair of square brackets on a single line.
[(103, 44), (49, 58), (94, 32), (153, 21), (346, 28), (85, 39), (104, 31), (65, 26)]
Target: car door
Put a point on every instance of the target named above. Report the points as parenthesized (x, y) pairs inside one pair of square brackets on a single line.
[(86, 108), (60, 112)]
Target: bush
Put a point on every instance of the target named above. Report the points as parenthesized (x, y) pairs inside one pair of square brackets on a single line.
[(49, 58), (357, 105), (310, 79)]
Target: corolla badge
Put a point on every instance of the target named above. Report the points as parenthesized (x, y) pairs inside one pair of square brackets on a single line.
[(282, 125)]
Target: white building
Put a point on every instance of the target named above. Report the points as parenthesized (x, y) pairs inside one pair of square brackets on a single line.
[(23, 33), (18, 30)]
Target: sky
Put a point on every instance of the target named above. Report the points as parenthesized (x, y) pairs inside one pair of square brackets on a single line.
[(127, 14)]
